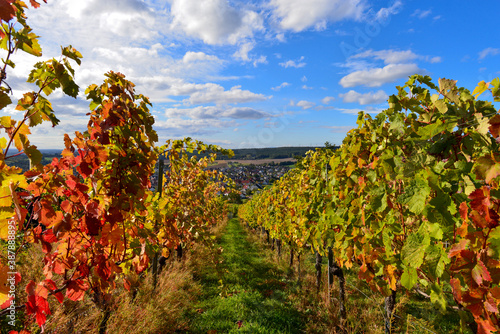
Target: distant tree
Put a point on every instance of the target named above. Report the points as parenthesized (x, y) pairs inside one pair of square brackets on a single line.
[(235, 197), (329, 145)]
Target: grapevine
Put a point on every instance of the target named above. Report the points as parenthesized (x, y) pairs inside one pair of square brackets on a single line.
[(410, 198), (93, 210)]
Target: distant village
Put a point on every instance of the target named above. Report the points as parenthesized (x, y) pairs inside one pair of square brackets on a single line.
[(249, 178)]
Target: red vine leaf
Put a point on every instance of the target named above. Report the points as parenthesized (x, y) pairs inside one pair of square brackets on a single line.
[(458, 248), (495, 126), (36, 303), (478, 219), (7, 11), (126, 284), (487, 168), (365, 273), (480, 273), (42, 291), (491, 306), (36, 4), (485, 326), (495, 292), (457, 289), (67, 206), (71, 183), (463, 210), (76, 290), (92, 224)]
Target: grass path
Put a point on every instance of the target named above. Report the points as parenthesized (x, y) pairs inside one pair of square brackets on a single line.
[(248, 296)]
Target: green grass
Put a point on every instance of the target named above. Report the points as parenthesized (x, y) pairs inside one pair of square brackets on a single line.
[(249, 290)]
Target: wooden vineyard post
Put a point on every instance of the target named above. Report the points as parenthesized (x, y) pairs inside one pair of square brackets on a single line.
[(335, 270), (389, 304), (319, 258), (179, 252), (278, 247), (159, 188), (298, 270), (330, 271)]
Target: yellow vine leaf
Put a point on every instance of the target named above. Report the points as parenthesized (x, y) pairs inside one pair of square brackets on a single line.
[(4, 285), (480, 89)]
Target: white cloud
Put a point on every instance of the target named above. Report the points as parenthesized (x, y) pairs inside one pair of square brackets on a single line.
[(376, 77), (211, 112), (179, 127), (47, 137), (339, 32), (340, 128), (306, 87), (135, 37), (368, 110), (324, 108), (166, 87), (130, 19), (327, 99), (367, 98), (434, 60), (280, 37), (298, 15), (213, 93), (388, 56), (384, 13), (421, 13), (242, 52), (488, 52), (260, 60), (293, 63), (283, 85), (244, 113), (305, 104), (304, 79), (83, 26), (214, 21), (399, 64), (191, 56)]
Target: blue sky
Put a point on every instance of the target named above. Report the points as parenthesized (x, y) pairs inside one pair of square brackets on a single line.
[(261, 73)]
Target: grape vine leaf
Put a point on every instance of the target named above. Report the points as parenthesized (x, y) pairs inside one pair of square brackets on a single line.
[(7, 11), (76, 290), (480, 273), (437, 297), (409, 277), (487, 168), (415, 195), (413, 251)]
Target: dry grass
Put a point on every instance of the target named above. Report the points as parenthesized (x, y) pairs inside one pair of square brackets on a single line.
[(160, 310)]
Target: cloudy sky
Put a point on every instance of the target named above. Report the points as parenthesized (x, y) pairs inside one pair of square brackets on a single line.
[(261, 73)]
